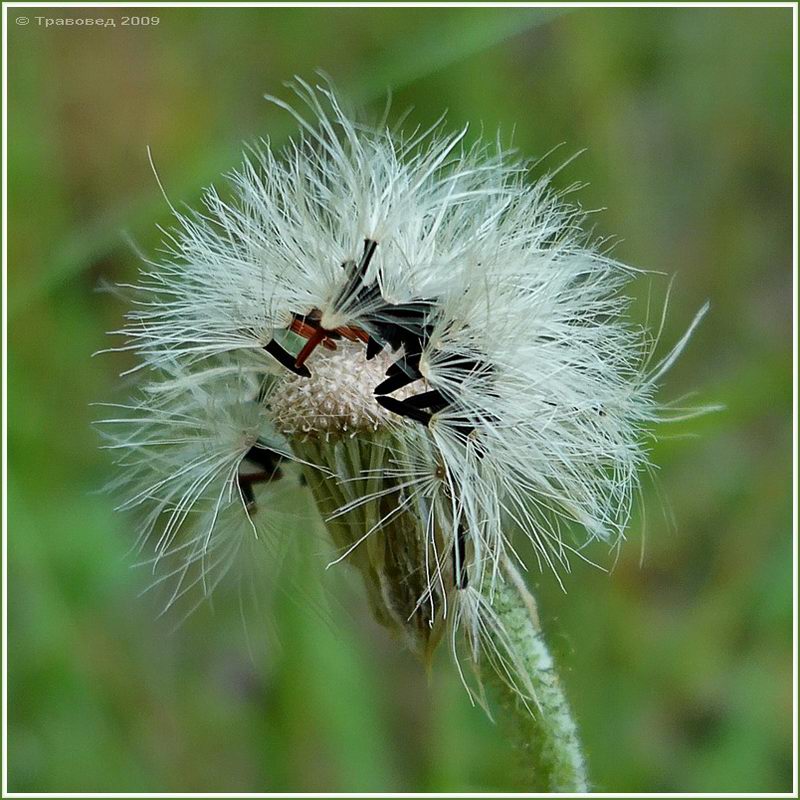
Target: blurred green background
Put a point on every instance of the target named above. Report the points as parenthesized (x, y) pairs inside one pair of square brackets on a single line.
[(678, 663)]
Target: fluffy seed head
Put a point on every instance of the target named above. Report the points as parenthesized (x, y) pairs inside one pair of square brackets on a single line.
[(427, 331)]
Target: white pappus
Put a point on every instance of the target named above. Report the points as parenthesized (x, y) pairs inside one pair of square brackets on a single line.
[(430, 336)]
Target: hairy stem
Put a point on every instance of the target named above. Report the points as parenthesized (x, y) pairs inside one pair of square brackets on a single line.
[(546, 732)]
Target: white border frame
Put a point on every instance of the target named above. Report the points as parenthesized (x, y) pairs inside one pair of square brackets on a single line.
[(100, 6)]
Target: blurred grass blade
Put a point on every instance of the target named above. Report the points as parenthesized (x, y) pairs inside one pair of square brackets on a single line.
[(446, 44)]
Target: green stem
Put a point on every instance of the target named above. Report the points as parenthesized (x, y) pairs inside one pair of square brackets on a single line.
[(546, 732)]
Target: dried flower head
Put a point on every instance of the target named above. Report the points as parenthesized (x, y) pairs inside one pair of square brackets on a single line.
[(425, 332)]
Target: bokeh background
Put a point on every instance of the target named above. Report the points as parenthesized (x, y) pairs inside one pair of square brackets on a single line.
[(677, 662)]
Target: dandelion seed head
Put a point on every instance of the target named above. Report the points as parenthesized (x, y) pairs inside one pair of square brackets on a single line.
[(423, 327)]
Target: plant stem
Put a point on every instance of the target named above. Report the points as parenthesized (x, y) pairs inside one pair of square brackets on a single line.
[(546, 733)]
